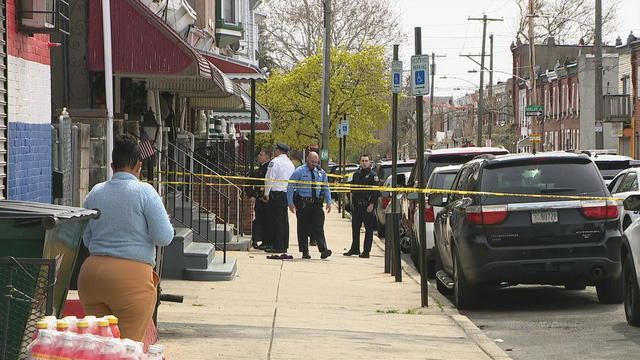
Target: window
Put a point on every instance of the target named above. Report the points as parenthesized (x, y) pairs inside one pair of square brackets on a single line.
[(229, 11), (629, 183), (626, 88)]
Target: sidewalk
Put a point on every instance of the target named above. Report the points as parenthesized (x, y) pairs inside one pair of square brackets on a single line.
[(339, 308)]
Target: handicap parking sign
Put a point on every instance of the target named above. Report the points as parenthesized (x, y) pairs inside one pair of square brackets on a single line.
[(396, 79), (420, 75)]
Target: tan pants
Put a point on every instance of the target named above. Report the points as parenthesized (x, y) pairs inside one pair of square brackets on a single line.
[(124, 288)]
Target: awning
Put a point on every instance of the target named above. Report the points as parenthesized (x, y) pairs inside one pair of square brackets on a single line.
[(260, 127), (243, 117), (235, 69), (144, 46)]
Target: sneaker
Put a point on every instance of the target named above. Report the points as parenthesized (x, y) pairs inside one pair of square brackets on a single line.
[(351, 252), (364, 255), (305, 255), (325, 254)]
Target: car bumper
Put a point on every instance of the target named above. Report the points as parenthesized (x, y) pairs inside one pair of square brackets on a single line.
[(555, 265)]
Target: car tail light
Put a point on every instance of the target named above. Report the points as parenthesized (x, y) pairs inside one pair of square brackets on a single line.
[(599, 209), (385, 202), (429, 216), (487, 215)]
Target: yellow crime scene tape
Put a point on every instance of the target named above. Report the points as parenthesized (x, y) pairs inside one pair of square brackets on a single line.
[(339, 187)]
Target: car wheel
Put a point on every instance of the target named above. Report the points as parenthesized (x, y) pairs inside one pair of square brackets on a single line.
[(631, 292), (625, 223), (405, 243), (381, 228), (438, 267), (465, 294), (610, 291), (415, 253)]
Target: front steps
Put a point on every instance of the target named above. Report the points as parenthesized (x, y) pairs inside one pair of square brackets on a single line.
[(185, 259)]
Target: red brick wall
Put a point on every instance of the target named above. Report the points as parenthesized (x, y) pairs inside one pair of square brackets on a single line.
[(210, 198), (33, 48)]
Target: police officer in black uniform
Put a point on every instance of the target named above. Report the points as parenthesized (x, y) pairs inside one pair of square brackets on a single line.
[(260, 228), (363, 203)]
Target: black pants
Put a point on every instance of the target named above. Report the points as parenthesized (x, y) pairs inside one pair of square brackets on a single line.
[(279, 220), (359, 216), (310, 221), (260, 226)]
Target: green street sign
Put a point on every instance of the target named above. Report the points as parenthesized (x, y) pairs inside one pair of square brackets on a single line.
[(324, 154), (533, 110)]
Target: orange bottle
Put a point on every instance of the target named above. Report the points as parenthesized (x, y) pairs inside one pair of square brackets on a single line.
[(82, 327), (103, 328)]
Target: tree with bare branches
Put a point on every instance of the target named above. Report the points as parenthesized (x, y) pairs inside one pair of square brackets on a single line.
[(568, 21), (293, 29)]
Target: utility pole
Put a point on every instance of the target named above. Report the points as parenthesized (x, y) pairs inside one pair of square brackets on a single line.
[(484, 20), (433, 74), (598, 76), (394, 216), (532, 64), (491, 102), (326, 86)]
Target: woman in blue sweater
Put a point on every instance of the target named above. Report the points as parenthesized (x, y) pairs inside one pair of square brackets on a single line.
[(118, 277)]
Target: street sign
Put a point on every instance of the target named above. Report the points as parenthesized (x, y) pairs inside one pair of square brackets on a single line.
[(396, 77), (419, 75), (533, 110), (324, 154), (344, 127), (339, 131), (535, 138)]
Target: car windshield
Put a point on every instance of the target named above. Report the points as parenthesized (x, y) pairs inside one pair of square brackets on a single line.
[(386, 170), (441, 181), (541, 179), (609, 169)]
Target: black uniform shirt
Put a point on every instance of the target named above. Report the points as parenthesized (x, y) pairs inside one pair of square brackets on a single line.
[(364, 177)]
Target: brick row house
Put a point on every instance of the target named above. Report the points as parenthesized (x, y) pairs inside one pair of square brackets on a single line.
[(566, 90)]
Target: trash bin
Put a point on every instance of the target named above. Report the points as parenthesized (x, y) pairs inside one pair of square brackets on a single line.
[(38, 248)]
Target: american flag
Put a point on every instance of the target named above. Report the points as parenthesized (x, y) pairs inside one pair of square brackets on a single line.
[(146, 146)]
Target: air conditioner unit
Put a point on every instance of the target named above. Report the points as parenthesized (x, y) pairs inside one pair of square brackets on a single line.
[(37, 14)]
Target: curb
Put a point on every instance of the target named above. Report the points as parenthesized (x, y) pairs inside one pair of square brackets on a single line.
[(474, 333)]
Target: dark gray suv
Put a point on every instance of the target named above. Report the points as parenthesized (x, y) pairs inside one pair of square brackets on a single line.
[(487, 240)]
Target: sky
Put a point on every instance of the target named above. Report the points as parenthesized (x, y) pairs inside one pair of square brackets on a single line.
[(446, 31)]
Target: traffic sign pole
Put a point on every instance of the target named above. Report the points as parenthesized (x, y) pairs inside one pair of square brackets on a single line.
[(424, 289)]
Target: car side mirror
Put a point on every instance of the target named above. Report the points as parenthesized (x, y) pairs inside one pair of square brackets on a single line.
[(401, 180), (413, 196), (632, 203), (437, 199)]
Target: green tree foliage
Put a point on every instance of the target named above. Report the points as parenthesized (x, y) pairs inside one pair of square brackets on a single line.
[(359, 88)]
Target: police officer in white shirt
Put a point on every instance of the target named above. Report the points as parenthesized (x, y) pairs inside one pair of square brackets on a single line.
[(280, 168)]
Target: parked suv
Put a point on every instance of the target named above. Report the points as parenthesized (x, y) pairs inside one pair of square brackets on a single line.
[(630, 254), (621, 187), (383, 169), (409, 204), (508, 240)]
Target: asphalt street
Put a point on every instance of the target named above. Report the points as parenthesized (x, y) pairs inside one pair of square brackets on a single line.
[(549, 322)]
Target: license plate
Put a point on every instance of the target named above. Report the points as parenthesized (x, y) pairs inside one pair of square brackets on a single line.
[(544, 216)]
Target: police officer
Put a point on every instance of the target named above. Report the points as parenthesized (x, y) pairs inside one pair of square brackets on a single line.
[(259, 231), (276, 180), (305, 198), (362, 208)]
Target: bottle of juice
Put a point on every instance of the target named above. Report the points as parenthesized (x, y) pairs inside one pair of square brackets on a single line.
[(82, 327), (65, 350), (111, 350), (62, 325), (103, 328), (87, 349), (71, 320), (93, 326), (155, 352), (130, 352), (41, 325), (42, 347), (113, 325)]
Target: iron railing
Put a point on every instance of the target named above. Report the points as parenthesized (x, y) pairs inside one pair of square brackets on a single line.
[(186, 190), (204, 161)]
